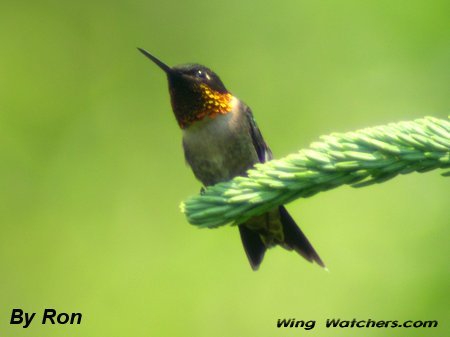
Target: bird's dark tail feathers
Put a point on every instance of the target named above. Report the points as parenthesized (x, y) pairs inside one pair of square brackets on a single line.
[(253, 245), (293, 239)]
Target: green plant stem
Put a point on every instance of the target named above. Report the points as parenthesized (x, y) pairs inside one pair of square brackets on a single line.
[(359, 158)]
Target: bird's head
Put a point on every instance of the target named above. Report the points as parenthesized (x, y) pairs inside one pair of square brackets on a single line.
[(196, 92)]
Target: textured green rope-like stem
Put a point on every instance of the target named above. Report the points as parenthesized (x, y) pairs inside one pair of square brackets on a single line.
[(358, 158)]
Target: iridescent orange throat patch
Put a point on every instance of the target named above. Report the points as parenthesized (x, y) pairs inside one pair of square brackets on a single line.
[(211, 103)]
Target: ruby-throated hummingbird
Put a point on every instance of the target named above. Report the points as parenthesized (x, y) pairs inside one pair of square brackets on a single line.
[(221, 140)]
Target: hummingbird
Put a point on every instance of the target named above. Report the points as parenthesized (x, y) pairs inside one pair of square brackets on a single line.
[(221, 140)]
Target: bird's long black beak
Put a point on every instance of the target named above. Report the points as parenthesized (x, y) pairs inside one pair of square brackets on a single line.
[(160, 64)]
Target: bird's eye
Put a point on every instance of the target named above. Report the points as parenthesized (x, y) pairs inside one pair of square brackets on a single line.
[(202, 75)]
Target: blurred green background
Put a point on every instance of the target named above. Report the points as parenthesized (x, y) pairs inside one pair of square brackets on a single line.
[(92, 170)]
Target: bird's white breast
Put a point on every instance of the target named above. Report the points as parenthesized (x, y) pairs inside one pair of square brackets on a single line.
[(220, 148)]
